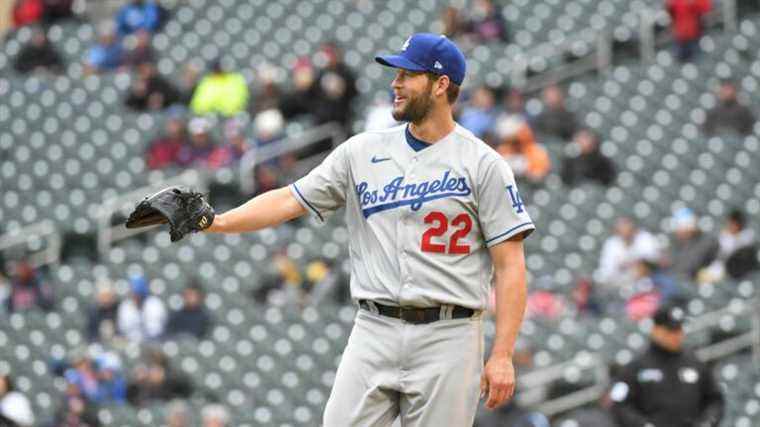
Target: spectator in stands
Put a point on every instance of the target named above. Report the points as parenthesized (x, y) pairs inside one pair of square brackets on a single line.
[(101, 319), (322, 281), (106, 55), (56, 10), (650, 277), (28, 290), (142, 52), (155, 380), (268, 126), (517, 144), (555, 119), (587, 298), (690, 249), (585, 162), (300, 99), (164, 151), (479, 114), (83, 376), (686, 25), (192, 318), (75, 410), (737, 249), (729, 115), (150, 91), (335, 89), (27, 12), (15, 408), (197, 152), (284, 284), (267, 94), (486, 23), (514, 103), (220, 91), (233, 149), (138, 15), (215, 415), (141, 316), (667, 385), (544, 304), (454, 25), (38, 55), (112, 386), (177, 414), (621, 251)]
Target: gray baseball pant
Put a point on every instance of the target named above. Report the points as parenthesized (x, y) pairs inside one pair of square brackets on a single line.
[(422, 374)]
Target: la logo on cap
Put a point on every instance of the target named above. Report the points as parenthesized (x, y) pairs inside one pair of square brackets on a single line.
[(406, 44)]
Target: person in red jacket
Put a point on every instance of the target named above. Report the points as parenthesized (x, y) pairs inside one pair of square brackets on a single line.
[(686, 18), (164, 150), (27, 12)]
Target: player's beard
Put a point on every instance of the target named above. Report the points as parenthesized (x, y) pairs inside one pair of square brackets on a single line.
[(416, 108)]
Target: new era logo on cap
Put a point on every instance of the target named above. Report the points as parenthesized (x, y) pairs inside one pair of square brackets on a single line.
[(406, 44), (429, 52)]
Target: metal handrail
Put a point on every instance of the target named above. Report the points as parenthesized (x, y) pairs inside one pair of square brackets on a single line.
[(257, 156), (43, 229)]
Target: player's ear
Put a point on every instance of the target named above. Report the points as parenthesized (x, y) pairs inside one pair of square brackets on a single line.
[(441, 85)]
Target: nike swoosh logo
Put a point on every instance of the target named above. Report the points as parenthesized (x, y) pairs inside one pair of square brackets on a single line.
[(375, 159)]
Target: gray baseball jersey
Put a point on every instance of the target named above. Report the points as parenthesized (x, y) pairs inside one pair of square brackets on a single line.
[(420, 220)]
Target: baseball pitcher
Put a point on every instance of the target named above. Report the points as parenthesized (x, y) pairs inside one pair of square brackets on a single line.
[(435, 218)]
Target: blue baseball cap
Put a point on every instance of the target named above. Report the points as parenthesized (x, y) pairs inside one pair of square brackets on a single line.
[(139, 285), (425, 52)]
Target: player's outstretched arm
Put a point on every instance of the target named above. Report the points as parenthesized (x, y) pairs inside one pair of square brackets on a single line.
[(498, 380), (265, 210)]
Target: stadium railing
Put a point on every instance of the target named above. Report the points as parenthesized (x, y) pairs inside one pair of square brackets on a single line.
[(198, 179), (40, 242)]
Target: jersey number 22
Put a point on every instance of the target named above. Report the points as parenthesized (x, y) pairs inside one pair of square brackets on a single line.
[(463, 222)]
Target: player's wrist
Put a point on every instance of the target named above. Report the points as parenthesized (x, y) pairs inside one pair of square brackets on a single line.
[(501, 353), (217, 225)]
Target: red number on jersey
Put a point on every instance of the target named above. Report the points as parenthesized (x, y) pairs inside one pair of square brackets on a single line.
[(443, 224), (454, 247), (462, 220)]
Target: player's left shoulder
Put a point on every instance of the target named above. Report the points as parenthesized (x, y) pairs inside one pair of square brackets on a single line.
[(479, 154), (474, 145)]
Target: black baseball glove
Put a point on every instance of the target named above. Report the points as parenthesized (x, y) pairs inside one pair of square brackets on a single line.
[(186, 211)]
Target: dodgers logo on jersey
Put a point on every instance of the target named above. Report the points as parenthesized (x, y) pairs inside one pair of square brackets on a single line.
[(396, 193)]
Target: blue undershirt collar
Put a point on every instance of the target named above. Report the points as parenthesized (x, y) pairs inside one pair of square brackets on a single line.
[(414, 143)]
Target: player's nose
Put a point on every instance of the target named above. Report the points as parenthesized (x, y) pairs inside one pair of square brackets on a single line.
[(396, 82)]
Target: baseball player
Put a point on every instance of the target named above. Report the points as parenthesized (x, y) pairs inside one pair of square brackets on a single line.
[(435, 218)]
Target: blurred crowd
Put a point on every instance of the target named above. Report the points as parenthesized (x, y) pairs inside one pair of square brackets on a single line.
[(95, 375), (203, 126)]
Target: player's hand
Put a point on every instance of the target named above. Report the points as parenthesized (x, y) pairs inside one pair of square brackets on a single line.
[(497, 381)]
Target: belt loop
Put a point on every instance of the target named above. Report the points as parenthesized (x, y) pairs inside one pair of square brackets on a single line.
[(373, 307), (447, 312)]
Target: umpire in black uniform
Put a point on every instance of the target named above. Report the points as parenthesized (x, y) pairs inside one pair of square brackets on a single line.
[(667, 386)]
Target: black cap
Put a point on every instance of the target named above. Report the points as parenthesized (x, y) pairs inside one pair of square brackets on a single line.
[(670, 316)]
